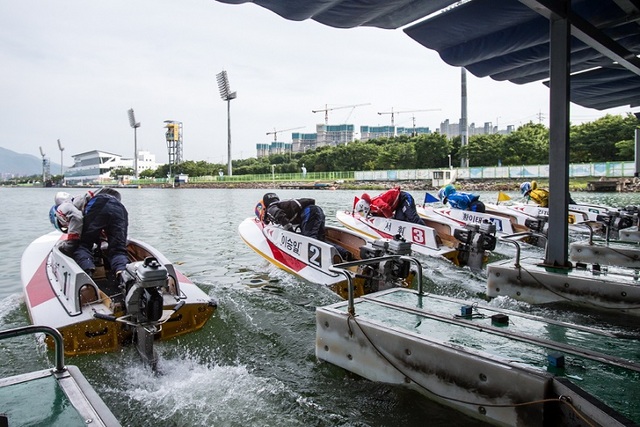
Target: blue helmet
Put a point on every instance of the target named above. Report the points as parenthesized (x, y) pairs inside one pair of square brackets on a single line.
[(445, 192), (525, 187), (59, 223)]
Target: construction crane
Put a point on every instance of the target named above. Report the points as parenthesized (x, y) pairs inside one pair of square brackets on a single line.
[(393, 113), (276, 132), (326, 110)]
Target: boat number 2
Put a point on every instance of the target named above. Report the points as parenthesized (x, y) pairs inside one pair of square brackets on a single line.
[(315, 255)]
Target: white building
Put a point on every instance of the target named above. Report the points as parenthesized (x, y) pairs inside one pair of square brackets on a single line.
[(146, 161), (94, 167)]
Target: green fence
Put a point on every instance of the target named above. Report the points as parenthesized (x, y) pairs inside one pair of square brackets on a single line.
[(274, 177)]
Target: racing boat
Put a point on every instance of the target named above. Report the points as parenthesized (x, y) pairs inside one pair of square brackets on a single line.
[(503, 224), (96, 314), (577, 212), (320, 261), (463, 245)]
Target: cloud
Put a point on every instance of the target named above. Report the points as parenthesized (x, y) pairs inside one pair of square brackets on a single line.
[(71, 69)]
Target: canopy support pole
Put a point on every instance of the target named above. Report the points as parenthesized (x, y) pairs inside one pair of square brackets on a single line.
[(558, 243)]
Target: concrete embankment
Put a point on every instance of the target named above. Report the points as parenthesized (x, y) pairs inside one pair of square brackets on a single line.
[(626, 185)]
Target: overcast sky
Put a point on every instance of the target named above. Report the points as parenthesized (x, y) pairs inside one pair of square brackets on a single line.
[(71, 69)]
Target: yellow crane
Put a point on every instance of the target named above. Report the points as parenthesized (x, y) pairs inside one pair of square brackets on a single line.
[(393, 113), (276, 132), (326, 110)]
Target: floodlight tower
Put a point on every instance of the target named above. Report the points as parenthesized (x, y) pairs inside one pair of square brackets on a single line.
[(174, 142), (226, 95), (135, 125), (61, 148), (45, 168)]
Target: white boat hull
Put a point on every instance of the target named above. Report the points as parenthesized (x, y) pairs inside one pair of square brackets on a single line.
[(54, 285), (314, 260), (424, 240), (502, 223)]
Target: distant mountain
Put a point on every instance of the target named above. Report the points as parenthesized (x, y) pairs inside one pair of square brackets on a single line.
[(16, 164)]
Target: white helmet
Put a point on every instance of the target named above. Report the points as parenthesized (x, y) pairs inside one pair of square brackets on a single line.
[(362, 207), (62, 196)]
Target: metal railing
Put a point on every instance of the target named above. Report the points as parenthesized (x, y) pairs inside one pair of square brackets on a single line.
[(52, 332), (342, 268)]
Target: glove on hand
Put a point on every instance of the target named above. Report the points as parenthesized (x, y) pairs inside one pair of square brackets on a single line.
[(68, 247)]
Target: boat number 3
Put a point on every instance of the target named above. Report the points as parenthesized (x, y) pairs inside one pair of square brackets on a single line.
[(417, 235), (315, 255)]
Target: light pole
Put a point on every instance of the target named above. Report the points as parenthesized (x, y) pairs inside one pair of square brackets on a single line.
[(61, 162), (226, 95), (449, 156), (44, 168), (135, 125)]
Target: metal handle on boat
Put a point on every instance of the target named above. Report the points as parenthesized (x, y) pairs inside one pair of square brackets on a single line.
[(342, 268), (588, 225), (52, 332), (508, 239)]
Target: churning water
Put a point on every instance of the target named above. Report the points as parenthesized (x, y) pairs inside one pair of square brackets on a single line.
[(254, 362)]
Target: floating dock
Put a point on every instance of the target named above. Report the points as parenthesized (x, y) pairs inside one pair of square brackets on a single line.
[(498, 366)]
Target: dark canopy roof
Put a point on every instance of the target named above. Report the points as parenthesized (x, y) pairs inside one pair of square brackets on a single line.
[(505, 39)]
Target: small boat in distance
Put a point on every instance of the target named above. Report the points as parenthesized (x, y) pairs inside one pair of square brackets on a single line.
[(96, 315)]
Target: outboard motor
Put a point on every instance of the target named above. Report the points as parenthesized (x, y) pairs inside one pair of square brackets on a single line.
[(143, 299), (143, 281), (616, 221), (474, 240), (388, 272), (539, 225)]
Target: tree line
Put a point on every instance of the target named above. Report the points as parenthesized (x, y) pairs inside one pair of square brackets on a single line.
[(610, 138)]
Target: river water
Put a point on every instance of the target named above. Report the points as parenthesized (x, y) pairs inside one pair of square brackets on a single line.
[(254, 362)]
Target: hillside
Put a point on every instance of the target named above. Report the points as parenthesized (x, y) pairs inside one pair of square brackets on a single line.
[(16, 164)]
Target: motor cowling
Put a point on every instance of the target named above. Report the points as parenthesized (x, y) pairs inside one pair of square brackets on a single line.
[(474, 240), (145, 280), (388, 272)]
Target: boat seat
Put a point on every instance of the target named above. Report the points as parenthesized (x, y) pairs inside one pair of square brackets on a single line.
[(88, 294), (336, 258)]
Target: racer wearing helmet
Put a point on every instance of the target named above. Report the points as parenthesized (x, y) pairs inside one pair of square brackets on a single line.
[(533, 192), (299, 213), (87, 218), (362, 207), (525, 188), (393, 203), (460, 200), (67, 218), (445, 192)]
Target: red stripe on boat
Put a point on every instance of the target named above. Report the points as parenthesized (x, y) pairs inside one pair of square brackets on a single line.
[(281, 256), (38, 289), (181, 277), (286, 259)]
